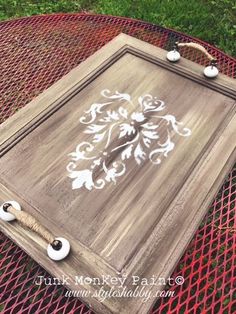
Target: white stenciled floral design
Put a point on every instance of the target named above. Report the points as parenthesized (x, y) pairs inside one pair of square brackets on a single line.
[(117, 135)]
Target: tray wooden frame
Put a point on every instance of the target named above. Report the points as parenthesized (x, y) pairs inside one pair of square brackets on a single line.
[(197, 192)]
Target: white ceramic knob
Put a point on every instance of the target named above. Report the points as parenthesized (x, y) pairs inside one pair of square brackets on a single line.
[(4, 215), (60, 254), (173, 56), (211, 71)]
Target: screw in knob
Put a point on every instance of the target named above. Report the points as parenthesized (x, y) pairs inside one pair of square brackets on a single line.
[(4, 214), (5, 206), (58, 249), (211, 71), (173, 55), (57, 245)]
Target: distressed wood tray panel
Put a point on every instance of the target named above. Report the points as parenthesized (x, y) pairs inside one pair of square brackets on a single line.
[(151, 207), (46, 156)]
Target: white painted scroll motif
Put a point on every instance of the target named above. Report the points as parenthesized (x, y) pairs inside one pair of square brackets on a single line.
[(137, 133)]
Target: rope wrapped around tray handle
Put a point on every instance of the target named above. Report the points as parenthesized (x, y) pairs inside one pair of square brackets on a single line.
[(58, 248), (210, 71), (196, 47)]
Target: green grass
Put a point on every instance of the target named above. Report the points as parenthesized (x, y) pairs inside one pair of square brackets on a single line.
[(212, 21)]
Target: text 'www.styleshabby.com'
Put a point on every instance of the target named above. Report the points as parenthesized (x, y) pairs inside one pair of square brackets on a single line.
[(108, 286)]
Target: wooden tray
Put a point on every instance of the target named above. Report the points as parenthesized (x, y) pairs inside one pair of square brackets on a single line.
[(122, 157)]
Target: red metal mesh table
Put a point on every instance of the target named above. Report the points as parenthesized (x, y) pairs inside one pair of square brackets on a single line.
[(36, 52)]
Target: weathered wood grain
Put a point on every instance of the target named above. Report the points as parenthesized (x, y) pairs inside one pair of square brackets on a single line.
[(141, 224)]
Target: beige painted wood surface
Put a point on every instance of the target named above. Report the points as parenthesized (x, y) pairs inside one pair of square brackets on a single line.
[(156, 141)]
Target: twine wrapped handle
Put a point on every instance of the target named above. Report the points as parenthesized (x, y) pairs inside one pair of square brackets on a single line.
[(199, 48), (29, 221), (210, 71)]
